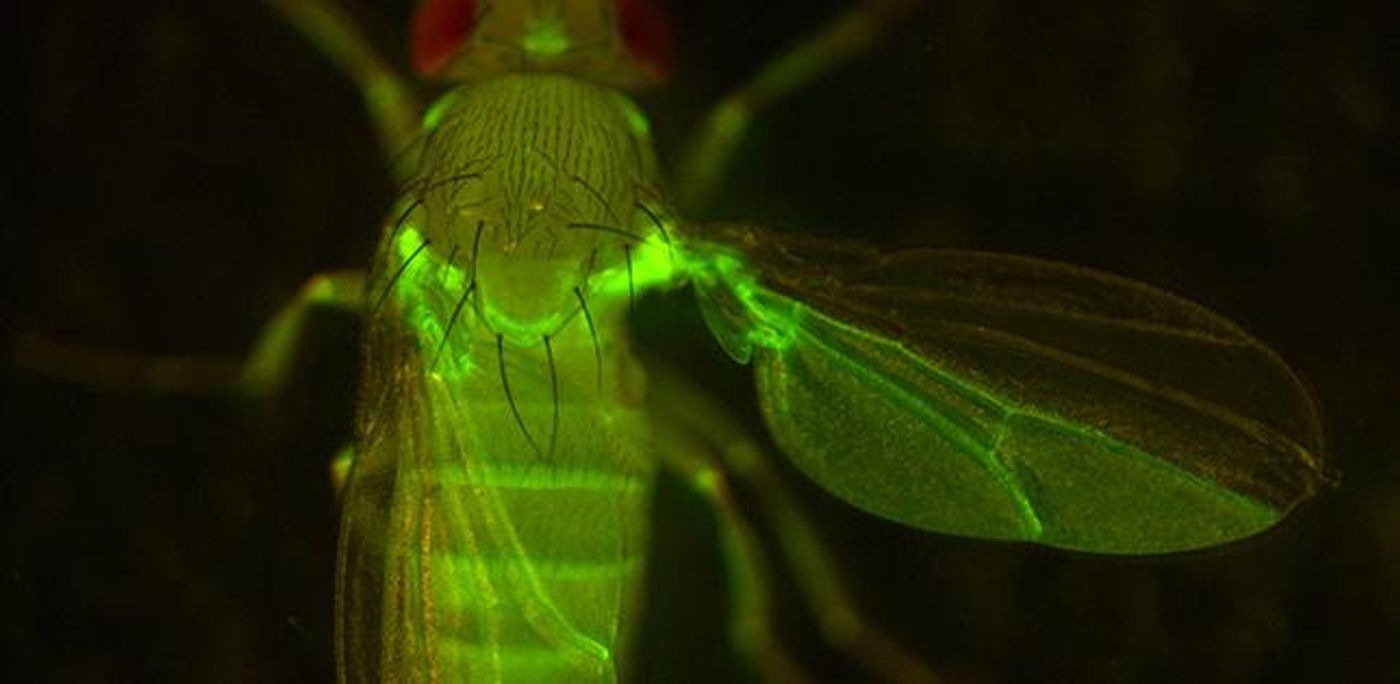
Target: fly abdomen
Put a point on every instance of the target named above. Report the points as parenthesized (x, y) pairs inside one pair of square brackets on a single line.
[(532, 565), (538, 573)]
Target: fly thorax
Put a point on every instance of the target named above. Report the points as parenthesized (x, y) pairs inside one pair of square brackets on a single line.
[(536, 196), (527, 297)]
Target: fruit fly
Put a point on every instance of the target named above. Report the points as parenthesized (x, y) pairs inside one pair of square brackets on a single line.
[(495, 515)]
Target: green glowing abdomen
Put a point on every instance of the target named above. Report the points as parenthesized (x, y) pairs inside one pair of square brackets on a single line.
[(536, 574)]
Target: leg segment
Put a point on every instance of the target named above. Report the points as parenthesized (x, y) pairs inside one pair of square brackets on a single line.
[(339, 469), (260, 374), (751, 623), (392, 106), (841, 623), (706, 430), (843, 38), (272, 355)]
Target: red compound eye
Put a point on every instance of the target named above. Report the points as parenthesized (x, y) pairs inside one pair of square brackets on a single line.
[(438, 29), (646, 35)]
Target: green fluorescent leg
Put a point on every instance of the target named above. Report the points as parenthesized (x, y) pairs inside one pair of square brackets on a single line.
[(695, 425), (842, 625), (844, 37), (751, 622), (339, 469), (394, 109), (261, 373), (273, 353)]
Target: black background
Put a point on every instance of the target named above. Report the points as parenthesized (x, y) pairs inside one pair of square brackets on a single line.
[(179, 168)]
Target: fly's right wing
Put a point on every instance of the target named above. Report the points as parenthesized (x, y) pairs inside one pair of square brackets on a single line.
[(1006, 397)]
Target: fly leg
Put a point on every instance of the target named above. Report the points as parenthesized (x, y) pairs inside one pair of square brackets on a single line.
[(679, 408), (261, 373), (275, 352), (752, 628), (846, 36), (339, 469), (393, 107), (275, 349), (394, 111), (839, 620)]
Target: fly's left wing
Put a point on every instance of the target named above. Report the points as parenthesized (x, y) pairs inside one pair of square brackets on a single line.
[(1013, 398), (386, 533)]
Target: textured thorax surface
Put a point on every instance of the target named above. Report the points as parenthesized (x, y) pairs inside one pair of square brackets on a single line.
[(549, 171)]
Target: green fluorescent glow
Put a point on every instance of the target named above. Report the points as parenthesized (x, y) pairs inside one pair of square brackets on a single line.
[(440, 107), (408, 242), (1021, 425), (652, 267), (417, 289), (545, 38), (638, 122)]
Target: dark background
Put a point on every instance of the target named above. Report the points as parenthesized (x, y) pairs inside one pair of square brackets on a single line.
[(179, 168)]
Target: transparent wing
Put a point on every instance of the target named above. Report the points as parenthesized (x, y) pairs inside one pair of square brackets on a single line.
[(386, 523), (1006, 397)]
